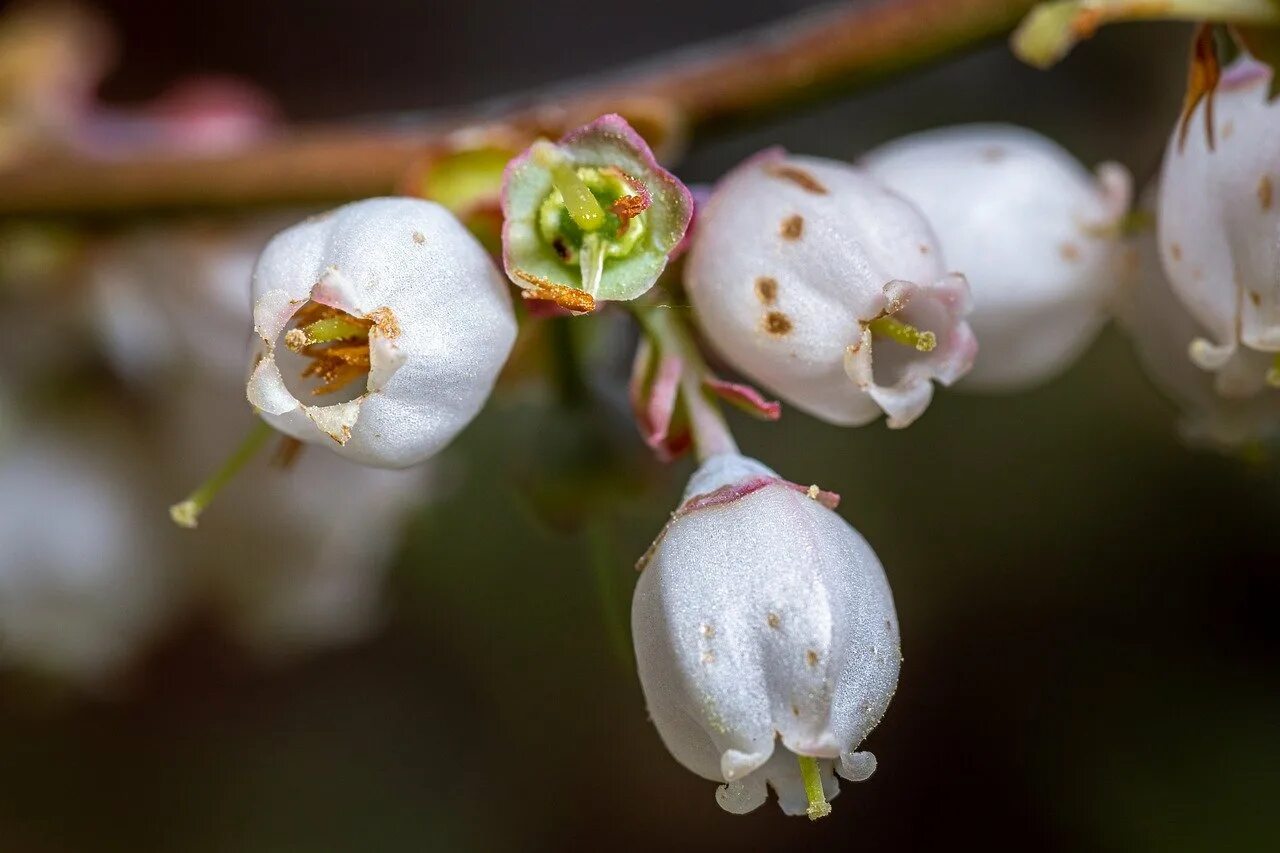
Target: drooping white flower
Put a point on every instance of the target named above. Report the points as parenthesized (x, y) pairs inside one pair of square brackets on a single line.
[(820, 284), (1219, 226), (1036, 235), (1162, 329), (766, 637), (397, 310), (82, 579)]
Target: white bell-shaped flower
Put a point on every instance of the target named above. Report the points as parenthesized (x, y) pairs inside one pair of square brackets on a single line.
[(1162, 329), (766, 638), (401, 323), (82, 578), (817, 282), (1037, 236), (1219, 226)]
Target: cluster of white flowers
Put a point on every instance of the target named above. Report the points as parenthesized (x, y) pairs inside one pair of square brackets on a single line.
[(765, 630)]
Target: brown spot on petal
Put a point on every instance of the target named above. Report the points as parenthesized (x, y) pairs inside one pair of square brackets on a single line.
[(773, 621), (708, 657), (1175, 251), (994, 154), (795, 710), (924, 248), (776, 323), (1228, 130), (1265, 192), (792, 227), (1070, 252), (1255, 297), (708, 630), (767, 289), (419, 237), (797, 176), (811, 657)]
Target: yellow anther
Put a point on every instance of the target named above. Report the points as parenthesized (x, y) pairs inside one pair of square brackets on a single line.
[(903, 333)]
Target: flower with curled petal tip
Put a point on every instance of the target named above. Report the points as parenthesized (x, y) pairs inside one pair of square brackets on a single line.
[(401, 323), (591, 217), (1037, 236), (766, 638), (1161, 329), (1219, 227), (814, 280)]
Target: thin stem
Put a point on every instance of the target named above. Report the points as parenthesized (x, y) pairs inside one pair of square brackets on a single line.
[(605, 563), (187, 513), (811, 773), (711, 434), (807, 55)]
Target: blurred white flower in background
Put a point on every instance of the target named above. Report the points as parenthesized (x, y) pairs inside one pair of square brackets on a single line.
[(84, 582), (172, 302), (290, 557), (91, 569), (1037, 236)]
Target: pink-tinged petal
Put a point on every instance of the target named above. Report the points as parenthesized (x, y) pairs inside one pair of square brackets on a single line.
[(660, 403), (939, 307), (744, 397)]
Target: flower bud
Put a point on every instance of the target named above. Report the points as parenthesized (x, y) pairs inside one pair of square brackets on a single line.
[(820, 284), (1219, 217), (1037, 236), (400, 321), (761, 615)]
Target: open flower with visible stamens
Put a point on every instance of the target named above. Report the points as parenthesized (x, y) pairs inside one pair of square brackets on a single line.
[(591, 217), (1219, 227), (381, 328), (822, 285), (766, 638), (1038, 237)]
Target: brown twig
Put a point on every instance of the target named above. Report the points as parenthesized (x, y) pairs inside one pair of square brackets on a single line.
[(841, 45)]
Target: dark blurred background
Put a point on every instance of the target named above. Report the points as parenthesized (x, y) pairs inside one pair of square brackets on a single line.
[(1089, 609)]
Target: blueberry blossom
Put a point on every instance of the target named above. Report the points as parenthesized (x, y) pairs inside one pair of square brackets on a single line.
[(825, 287), (400, 323), (1037, 236), (591, 217), (1162, 329), (1219, 227), (766, 638)]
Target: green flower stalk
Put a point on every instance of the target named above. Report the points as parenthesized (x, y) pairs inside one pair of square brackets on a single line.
[(1051, 30)]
